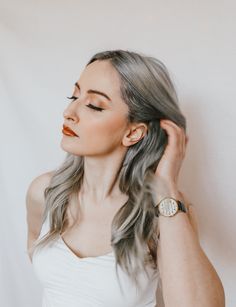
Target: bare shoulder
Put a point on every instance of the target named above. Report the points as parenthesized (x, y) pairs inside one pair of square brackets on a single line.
[(35, 204), (35, 191)]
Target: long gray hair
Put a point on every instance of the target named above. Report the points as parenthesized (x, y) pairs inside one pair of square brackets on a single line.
[(149, 93)]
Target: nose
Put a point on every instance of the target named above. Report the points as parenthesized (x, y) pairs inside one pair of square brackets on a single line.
[(70, 114)]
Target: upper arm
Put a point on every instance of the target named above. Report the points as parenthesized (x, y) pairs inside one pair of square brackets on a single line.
[(35, 205)]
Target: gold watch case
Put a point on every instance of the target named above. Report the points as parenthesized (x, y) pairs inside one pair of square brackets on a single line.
[(168, 207)]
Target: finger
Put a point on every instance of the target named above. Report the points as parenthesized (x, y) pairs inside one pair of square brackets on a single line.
[(171, 132), (174, 134), (183, 139), (183, 142), (186, 143), (186, 139), (182, 136), (170, 122)]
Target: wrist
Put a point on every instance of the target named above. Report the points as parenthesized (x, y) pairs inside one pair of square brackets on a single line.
[(172, 192), (170, 205)]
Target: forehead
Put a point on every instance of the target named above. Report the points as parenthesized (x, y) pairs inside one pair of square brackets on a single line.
[(101, 76)]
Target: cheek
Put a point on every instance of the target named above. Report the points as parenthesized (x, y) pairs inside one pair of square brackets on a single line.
[(97, 136), (106, 130)]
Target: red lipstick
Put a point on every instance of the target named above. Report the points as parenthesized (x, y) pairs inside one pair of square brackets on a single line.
[(67, 131)]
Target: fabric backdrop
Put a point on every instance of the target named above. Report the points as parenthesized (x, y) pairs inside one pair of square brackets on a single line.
[(44, 47)]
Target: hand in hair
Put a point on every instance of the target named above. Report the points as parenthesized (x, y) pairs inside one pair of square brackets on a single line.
[(169, 166)]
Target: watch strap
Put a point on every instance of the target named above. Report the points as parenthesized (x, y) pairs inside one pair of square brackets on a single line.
[(181, 206)]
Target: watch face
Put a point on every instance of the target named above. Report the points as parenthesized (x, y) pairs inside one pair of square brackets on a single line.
[(168, 207)]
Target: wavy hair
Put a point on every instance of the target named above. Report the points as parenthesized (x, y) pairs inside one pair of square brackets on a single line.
[(149, 93)]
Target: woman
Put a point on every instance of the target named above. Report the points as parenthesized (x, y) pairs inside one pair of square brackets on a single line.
[(114, 224)]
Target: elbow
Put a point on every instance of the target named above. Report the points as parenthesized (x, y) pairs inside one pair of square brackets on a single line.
[(218, 293), (220, 296), (215, 298)]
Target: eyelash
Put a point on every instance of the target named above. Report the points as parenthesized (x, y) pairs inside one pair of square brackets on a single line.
[(88, 105)]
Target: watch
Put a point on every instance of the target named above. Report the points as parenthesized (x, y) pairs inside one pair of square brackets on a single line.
[(169, 207)]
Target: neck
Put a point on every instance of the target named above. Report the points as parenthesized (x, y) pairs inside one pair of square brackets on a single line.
[(101, 177)]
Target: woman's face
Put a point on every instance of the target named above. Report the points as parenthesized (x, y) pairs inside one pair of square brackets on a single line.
[(99, 132)]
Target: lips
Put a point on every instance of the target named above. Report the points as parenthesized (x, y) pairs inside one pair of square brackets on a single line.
[(67, 131)]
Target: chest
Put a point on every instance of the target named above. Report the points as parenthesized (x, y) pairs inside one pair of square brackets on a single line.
[(68, 281), (88, 233)]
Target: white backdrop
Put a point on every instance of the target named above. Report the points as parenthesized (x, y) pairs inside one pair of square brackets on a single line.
[(44, 47)]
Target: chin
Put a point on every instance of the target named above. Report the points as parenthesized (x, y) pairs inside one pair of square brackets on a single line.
[(70, 148), (75, 149)]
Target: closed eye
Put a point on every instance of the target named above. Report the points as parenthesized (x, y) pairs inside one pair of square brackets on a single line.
[(91, 106)]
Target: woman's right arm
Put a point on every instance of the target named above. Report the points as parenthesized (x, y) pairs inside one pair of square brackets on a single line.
[(35, 204)]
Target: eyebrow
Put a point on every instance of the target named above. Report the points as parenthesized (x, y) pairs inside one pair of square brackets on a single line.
[(94, 92)]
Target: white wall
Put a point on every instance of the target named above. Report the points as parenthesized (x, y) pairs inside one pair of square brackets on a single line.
[(44, 47)]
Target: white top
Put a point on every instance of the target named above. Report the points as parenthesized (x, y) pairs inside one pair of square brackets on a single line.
[(70, 281)]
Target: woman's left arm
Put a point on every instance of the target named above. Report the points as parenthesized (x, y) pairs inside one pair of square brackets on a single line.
[(188, 277)]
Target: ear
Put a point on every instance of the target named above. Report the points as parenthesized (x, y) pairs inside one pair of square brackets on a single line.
[(134, 134)]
